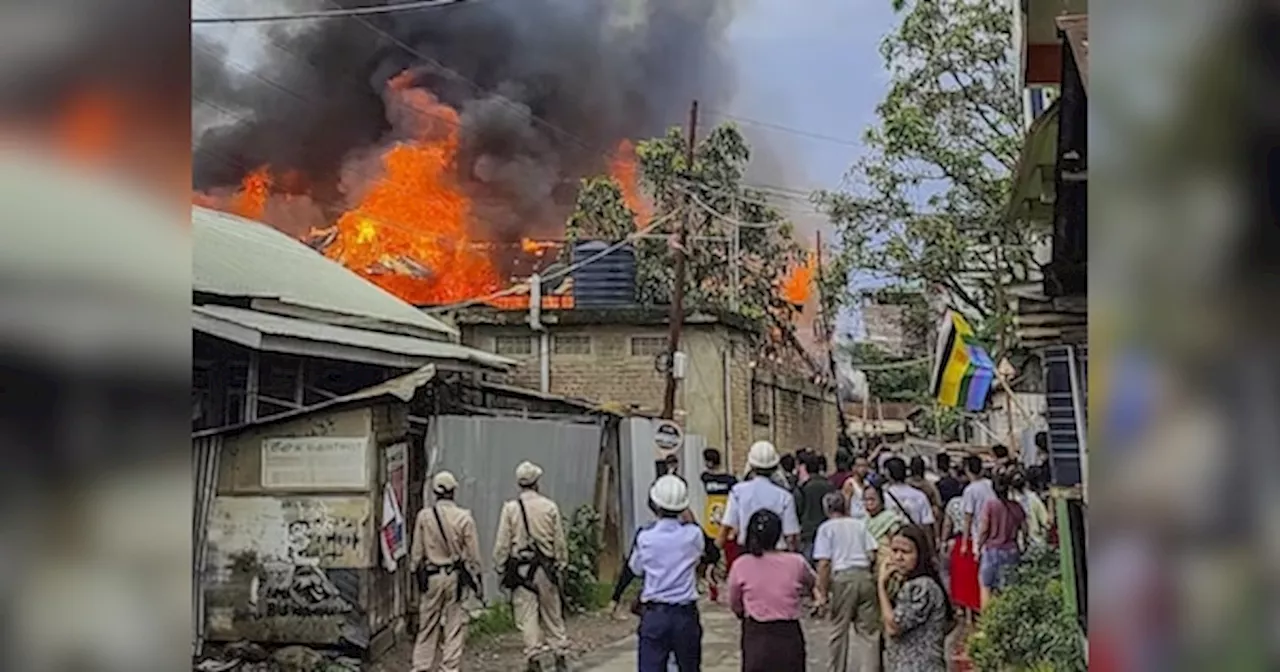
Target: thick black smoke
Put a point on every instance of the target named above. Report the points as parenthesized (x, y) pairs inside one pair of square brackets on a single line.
[(547, 89)]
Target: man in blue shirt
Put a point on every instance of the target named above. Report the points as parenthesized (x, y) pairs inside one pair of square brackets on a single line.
[(666, 553), (760, 492)]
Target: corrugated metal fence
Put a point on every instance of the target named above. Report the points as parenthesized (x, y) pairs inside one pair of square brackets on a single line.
[(483, 452), (204, 467)]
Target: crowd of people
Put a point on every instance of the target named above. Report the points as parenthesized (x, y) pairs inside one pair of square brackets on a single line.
[(892, 556)]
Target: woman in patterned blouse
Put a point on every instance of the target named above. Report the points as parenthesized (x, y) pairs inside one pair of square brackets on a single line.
[(917, 617)]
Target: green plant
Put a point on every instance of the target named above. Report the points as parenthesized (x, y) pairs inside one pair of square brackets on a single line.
[(581, 589), (492, 621), (1027, 627)]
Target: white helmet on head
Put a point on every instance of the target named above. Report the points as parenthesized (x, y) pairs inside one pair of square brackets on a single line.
[(762, 455), (670, 493)]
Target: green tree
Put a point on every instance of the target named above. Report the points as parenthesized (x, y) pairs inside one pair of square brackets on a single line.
[(927, 202), (909, 383), (713, 184)]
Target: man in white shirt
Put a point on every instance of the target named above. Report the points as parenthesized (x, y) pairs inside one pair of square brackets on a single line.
[(911, 502), (760, 492), (975, 497), (845, 552)]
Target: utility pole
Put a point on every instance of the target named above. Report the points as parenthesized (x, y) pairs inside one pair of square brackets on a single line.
[(843, 442), (677, 292)]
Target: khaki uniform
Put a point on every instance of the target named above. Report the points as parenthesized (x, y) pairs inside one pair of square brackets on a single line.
[(442, 620), (539, 616)]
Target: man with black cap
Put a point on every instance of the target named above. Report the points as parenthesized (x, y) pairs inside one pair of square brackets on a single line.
[(531, 552), (445, 558)]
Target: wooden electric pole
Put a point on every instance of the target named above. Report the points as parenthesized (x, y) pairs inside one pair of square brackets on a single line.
[(677, 291)]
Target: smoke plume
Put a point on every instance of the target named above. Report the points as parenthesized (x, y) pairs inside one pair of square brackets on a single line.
[(544, 90)]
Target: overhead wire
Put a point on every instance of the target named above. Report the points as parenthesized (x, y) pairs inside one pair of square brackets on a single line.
[(326, 13), (786, 129)]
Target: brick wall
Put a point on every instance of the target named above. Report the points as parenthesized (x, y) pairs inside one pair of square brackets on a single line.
[(608, 373), (804, 415)]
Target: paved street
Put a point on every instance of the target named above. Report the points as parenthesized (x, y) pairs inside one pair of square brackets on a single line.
[(719, 646)]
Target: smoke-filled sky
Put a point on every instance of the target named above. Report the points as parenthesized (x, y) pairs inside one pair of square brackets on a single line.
[(599, 73)]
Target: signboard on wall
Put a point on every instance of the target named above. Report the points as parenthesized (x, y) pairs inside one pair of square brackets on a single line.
[(315, 463)]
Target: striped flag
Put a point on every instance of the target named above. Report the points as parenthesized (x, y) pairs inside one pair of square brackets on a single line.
[(963, 372)]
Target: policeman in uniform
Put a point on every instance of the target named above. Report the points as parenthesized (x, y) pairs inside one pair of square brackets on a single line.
[(759, 492), (532, 554), (667, 553), (445, 545)]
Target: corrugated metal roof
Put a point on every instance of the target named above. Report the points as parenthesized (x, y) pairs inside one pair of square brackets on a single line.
[(208, 319), (403, 388), (238, 257)]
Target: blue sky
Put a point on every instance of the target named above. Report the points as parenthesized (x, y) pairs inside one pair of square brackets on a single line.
[(813, 66)]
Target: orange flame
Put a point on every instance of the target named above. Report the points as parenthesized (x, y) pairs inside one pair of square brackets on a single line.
[(251, 201), (798, 283), (415, 217), (623, 168)]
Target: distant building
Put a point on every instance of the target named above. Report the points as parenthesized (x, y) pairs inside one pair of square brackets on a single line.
[(732, 394)]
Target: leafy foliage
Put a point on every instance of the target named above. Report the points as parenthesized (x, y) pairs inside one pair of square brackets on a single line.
[(907, 383), (582, 533), (495, 620), (927, 200), (1027, 626), (715, 180)]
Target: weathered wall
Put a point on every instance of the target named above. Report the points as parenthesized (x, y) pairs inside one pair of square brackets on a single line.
[(293, 551), (631, 378), (804, 415), (611, 371), (483, 454)]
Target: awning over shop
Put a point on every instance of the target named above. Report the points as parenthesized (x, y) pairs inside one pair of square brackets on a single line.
[(267, 332), (1033, 186)]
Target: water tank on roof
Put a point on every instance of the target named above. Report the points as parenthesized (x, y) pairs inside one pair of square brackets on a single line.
[(607, 281)]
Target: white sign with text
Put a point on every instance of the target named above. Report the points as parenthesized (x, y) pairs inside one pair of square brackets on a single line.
[(310, 463)]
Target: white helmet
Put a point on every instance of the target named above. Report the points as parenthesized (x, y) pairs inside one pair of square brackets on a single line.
[(670, 493), (762, 455)]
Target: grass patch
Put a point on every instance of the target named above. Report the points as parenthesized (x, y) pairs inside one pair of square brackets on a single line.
[(496, 620), (499, 618)]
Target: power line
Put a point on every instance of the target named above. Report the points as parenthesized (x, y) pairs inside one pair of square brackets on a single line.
[(789, 129), (326, 13)]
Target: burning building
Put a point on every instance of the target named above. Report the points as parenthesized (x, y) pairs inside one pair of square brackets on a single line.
[(435, 151)]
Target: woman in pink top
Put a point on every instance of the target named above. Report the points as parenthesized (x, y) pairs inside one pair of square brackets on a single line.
[(765, 589), (1002, 525)]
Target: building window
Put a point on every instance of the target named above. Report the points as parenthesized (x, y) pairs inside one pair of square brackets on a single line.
[(761, 396), (648, 346), (572, 345), (513, 345)]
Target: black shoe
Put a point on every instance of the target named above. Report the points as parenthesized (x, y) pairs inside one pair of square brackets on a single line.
[(533, 666), (562, 665)]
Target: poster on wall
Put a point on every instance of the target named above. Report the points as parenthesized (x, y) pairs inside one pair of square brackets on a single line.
[(315, 463), (392, 534), (394, 491), (396, 459)]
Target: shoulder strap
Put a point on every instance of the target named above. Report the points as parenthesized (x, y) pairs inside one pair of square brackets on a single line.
[(901, 508), (444, 535), (524, 515)]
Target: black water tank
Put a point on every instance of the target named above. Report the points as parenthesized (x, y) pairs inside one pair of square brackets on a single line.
[(607, 281)]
